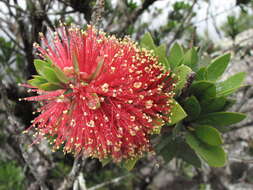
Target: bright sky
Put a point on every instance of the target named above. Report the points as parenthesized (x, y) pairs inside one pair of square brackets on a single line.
[(220, 9)]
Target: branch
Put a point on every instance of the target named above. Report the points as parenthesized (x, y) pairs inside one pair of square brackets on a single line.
[(76, 168), (35, 165), (115, 180), (182, 24), (81, 7), (129, 19), (97, 13), (247, 93), (245, 125)]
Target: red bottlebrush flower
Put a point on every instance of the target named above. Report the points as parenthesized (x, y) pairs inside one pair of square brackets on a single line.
[(110, 95)]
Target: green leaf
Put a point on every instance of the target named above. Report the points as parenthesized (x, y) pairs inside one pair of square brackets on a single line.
[(170, 147), (203, 90), (147, 41), (39, 66), (214, 105), (160, 51), (201, 74), (176, 55), (130, 163), (50, 75), (230, 85), (213, 155), (217, 67), (208, 135), (164, 140), (221, 118), (191, 59), (177, 113), (37, 81), (182, 72), (59, 73), (169, 150), (185, 152), (192, 107), (50, 87)]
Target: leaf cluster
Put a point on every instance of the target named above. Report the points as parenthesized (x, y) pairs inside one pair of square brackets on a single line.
[(199, 115), (50, 76)]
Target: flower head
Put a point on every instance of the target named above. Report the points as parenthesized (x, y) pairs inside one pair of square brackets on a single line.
[(101, 96)]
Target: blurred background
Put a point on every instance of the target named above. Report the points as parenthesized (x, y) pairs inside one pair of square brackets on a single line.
[(215, 26)]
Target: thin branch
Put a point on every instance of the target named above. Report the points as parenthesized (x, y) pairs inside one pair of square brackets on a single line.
[(182, 24), (97, 13), (62, 13), (68, 182), (113, 181), (247, 93), (245, 125), (130, 19), (2, 28), (21, 149)]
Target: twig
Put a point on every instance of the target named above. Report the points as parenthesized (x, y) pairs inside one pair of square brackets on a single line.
[(123, 24), (240, 160), (68, 182), (182, 24), (81, 182), (247, 93), (15, 125), (97, 13), (246, 125), (115, 180)]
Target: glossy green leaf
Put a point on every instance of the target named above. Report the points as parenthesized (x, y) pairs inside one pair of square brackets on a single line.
[(182, 72), (147, 41), (164, 140), (201, 74), (230, 85), (50, 75), (192, 107), (59, 73), (177, 113), (176, 55), (50, 87), (185, 152), (213, 155), (37, 81), (217, 67), (214, 105), (39, 66), (191, 59), (203, 90), (208, 135), (130, 163), (160, 51), (168, 152), (221, 118)]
